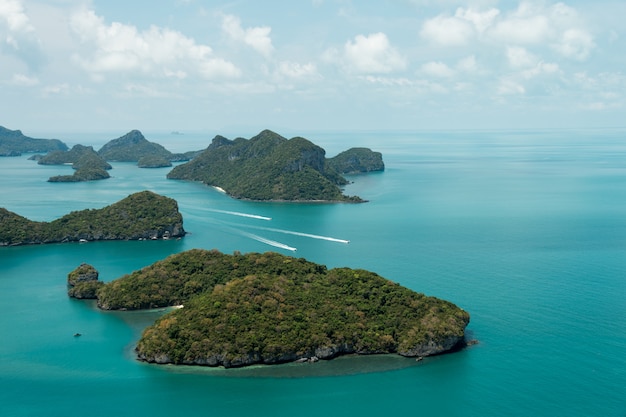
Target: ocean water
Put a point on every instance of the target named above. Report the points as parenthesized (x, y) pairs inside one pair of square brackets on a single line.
[(526, 230)]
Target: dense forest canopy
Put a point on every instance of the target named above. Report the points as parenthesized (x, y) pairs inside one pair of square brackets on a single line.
[(271, 308), (140, 215), (266, 167)]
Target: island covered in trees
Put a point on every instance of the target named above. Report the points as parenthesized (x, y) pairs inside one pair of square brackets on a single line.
[(268, 308), (266, 167), (269, 167), (14, 143), (143, 215)]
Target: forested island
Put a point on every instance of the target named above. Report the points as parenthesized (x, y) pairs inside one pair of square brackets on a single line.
[(268, 308), (86, 162), (143, 215), (269, 167), (134, 147), (14, 143)]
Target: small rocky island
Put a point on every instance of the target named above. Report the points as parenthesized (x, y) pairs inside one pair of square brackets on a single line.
[(83, 282), (268, 308), (86, 162), (143, 215), (269, 167)]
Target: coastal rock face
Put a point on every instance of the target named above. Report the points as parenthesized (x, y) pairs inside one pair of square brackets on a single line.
[(143, 215), (83, 273), (268, 308), (83, 282), (267, 167)]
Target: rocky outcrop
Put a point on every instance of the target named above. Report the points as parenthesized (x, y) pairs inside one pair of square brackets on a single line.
[(83, 282), (83, 273)]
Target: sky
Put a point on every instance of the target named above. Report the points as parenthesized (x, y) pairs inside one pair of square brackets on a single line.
[(117, 65)]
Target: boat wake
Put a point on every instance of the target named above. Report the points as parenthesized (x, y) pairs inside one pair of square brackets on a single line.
[(236, 213), (291, 232), (268, 241)]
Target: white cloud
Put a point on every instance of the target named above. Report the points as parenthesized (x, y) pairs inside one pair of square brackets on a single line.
[(508, 86), (468, 64), (447, 31), (522, 30), (541, 68), (575, 43), (16, 20), (480, 20), (120, 48), (295, 70), (536, 24), (24, 80), (256, 37), (20, 37), (519, 57), (437, 69), (372, 54)]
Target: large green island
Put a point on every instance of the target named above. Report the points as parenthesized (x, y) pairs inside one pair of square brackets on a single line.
[(269, 167), (268, 308), (143, 215)]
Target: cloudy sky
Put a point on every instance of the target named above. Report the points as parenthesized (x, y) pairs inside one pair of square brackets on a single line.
[(93, 65)]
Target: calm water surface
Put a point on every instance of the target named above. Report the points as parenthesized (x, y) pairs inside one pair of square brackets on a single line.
[(526, 230)]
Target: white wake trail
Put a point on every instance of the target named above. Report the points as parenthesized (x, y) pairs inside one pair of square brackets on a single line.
[(291, 232), (236, 213), (268, 241)]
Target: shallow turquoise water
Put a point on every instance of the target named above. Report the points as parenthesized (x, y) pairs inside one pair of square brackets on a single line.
[(525, 230)]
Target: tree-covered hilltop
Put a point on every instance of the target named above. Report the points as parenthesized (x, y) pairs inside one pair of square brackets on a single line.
[(133, 146), (153, 161), (269, 308), (83, 282), (267, 167), (143, 215), (356, 160), (14, 143), (78, 156), (88, 164)]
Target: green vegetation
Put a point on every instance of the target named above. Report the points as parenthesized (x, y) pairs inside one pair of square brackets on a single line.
[(266, 167), (356, 160), (78, 156), (270, 308), (85, 290), (13, 143), (83, 282), (132, 147), (87, 163), (143, 215), (84, 272), (153, 161)]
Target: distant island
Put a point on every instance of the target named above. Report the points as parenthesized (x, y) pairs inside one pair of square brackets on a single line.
[(268, 308), (269, 167), (143, 215), (14, 143), (87, 163), (134, 147)]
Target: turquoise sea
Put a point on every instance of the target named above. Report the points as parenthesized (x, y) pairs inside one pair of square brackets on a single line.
[(526, 230)]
